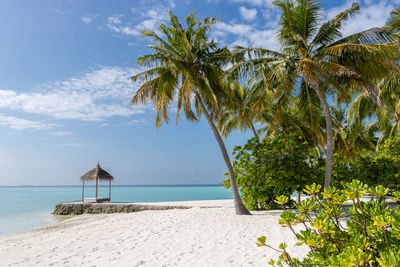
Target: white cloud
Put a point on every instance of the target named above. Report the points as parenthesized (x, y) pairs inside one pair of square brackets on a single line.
[(146, 18), (247, 35), (57, 11), (86, 19), (264, 7), (373, 14), (248, 14), (135, 30), (234, 28), (92, 96), (171, 4), (114, 23), (23, 124), (116, 19)]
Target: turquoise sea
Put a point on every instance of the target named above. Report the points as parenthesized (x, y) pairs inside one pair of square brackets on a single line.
[(24, 208)]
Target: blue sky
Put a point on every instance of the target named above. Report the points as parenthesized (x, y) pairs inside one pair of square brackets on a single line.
[(65, 88)]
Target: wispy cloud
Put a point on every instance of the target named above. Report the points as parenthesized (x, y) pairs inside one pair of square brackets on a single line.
[(146, 18), (234, 32), (114, 24), (246, 35), (248, 14), (371, 14), (57, 11), (92, 96), (86, 19), (23, 124)]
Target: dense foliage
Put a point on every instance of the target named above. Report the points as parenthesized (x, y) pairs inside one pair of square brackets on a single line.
[(339, 93), (321, 93), (374, 168), (367, 234), (273, 166), (316, 60), (284, 163)]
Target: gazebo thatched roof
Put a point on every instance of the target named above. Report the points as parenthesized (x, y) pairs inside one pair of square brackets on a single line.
[(97, 173)]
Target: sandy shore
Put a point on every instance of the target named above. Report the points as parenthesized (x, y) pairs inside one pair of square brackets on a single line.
[(212, 236)]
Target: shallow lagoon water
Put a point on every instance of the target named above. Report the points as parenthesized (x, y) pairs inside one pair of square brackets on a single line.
[(25, 208)]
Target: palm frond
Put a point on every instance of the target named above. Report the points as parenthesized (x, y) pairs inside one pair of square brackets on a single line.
[(331, 30)]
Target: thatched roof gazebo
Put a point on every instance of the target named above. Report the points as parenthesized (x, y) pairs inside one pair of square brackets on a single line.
[(97, 174)]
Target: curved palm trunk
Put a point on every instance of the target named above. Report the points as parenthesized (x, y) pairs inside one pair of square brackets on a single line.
[(239, 207), (329, 136)]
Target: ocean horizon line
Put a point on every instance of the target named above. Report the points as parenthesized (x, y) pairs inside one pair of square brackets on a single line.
[(106, 185)]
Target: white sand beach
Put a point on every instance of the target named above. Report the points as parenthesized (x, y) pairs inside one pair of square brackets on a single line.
[(212, 236)]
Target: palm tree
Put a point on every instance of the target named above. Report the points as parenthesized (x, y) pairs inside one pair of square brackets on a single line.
[(385, 121), (186, 67), (289, 118), (351, 135), (320, 58), (241, 108)]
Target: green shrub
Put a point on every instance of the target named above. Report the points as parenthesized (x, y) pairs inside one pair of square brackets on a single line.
[(373, 168), (368, 234), (274, 166)]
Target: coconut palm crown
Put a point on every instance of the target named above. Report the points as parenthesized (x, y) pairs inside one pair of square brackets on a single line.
[(319, 59), (241, 107), (185, 67)]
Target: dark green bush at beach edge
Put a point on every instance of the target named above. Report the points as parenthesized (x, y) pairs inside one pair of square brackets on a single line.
[(274, 166)]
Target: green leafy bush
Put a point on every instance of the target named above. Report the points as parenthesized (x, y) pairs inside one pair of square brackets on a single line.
[(373, 168), (274, 166), (367, 234)]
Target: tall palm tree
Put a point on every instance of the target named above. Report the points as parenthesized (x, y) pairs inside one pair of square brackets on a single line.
[(241, 108), (320, 58), (186, 67)]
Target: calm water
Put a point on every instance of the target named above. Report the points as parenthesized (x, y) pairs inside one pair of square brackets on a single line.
[(27, 208)]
